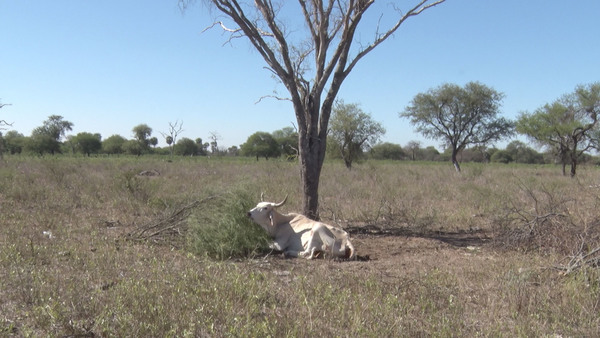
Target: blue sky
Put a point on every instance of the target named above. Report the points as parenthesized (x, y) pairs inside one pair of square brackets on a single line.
[(109, 65)]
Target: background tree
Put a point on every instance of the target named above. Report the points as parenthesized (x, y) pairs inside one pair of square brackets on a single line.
[(430, 154), (233, 151), (287, 138), (214, 145), (413, 148), (175, 129), (153, 141), (565, 125), (41, 144), (202, 146), (134, 147), (46, 139), (55, 127), (312, 63), (14, 142), (459, 116), (261, 144), (87, 143), (501, 156), (352, 131), (113, 145), (186, 147), (521, 153), (387, 151), (142, 133)]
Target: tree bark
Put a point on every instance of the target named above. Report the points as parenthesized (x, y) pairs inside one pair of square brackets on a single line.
[(312, 140), (455, 161)]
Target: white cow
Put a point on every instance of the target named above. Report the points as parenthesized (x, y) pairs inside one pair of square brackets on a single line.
[(298, 236)]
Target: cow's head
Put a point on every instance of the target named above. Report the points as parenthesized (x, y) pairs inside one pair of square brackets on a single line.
[(262, 213)]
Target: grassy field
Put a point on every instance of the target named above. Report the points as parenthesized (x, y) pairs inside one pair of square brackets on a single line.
[(88, 247)]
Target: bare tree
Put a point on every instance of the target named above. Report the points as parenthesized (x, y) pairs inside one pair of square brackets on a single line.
[(171, 137), (214, 145), (311, 64)]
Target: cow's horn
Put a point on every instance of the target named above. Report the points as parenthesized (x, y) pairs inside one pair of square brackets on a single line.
[(262, 196), (281, 203)]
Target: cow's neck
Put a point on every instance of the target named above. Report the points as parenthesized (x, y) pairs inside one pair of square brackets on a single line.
[(281, 218)]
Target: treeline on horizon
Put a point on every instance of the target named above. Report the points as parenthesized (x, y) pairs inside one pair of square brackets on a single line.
[(261, 145)]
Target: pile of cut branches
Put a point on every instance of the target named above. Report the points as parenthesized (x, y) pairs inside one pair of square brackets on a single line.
[(169, 229)]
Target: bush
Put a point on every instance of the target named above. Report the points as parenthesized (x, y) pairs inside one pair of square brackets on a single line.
[(221, 230)]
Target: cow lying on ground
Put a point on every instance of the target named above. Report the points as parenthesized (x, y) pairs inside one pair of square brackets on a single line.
[(298, 236)]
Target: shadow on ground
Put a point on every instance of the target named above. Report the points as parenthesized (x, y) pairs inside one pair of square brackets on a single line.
[(460, 239)]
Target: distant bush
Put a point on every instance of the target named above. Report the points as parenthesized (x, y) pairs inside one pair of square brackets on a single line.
[(221, 230)]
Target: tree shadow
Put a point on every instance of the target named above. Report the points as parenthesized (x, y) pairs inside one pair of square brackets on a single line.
[(460, 239)]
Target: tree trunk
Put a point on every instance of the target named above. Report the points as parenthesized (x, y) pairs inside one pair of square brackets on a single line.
[(311, 163), (573, 162), (312, 142), (455, 161)]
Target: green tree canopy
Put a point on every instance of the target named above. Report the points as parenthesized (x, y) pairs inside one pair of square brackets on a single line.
[(54, 127), (142, 133), (521, 153), (566, 125), (186, 147), (352, 131), (459, 116), (14, 142), (133, 147), (387, 151), (87, 143), (261, 144), (287, 138), (113, 145)]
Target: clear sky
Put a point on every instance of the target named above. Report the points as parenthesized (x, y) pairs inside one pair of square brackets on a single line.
[(109, 65)]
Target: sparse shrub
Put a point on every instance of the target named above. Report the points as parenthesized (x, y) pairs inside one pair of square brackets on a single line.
[(221, 229)]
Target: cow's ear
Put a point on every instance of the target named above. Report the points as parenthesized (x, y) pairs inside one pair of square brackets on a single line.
[(271, 218)]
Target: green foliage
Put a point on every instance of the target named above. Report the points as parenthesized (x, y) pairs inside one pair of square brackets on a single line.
[(221, 230), (287, 138), (186, 147), (142, 133), (133, 147), (501, 156), (521, 153), (113, 145), (40, 144), (261, 144), (352, 131), (14, 142), (87, 143), (459, 116), (387, 151), (54, 127), (567, 126)]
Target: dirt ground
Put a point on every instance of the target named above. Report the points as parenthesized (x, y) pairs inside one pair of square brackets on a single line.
[(399, 255)]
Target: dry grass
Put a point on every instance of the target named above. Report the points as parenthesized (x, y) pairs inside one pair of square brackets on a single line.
[(67, 268)]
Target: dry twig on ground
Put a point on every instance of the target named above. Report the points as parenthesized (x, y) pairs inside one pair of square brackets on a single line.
[(168, 229)]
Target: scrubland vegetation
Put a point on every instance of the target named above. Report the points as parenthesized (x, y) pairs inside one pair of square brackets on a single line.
[(89, 247)]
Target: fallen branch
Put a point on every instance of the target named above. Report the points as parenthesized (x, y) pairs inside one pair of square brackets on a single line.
[(591, 259), (170, 227)]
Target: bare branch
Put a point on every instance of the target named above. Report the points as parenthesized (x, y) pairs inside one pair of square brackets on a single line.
[(416, 10), (273, 97)]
